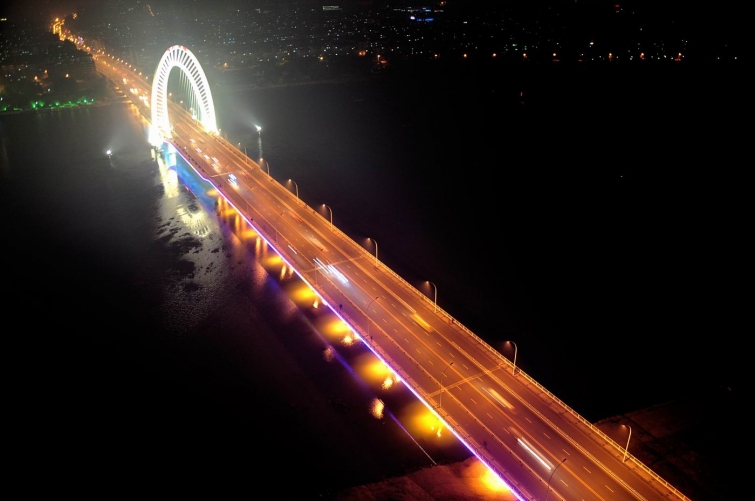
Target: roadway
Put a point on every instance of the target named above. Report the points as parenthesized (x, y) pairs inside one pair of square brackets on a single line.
[(535, 442)]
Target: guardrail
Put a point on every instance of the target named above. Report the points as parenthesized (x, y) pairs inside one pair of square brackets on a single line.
[(449, 318), (440, 313)]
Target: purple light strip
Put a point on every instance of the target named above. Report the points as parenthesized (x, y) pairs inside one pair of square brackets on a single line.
[(326, 303)]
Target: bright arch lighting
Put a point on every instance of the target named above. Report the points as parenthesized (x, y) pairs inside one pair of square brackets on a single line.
[(181, 57)]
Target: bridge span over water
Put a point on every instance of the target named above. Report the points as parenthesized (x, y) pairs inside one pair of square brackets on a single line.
[(532, 441)]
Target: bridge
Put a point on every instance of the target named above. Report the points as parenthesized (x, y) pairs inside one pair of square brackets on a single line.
[(532, 441)]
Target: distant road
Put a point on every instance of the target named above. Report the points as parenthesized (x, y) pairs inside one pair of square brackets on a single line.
[(252, 86)]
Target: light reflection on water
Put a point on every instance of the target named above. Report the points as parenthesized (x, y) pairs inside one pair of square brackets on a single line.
[(171, 314)]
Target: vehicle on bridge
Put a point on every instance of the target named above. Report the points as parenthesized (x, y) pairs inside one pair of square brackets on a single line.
[(424, 325)]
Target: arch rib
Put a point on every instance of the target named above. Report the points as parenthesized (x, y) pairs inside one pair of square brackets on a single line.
[(181, 57)]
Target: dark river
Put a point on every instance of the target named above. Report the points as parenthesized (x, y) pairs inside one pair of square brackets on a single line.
[(595, 221)]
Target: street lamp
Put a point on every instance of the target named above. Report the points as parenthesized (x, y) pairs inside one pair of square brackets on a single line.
[(317, 266), (246, 157), (296, 186), (267, 165), (627, 447), (367, 314), (376, 249), (274, 226), (549, 478), (331, 215), (259, 139), (513, 369), (436, 295), (440, 384)]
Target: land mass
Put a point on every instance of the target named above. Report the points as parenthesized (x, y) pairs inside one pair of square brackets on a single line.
[(686, 442)]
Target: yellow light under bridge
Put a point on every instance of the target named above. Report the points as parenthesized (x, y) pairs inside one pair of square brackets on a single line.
[(372, 369), (303, 295), (421, 421)]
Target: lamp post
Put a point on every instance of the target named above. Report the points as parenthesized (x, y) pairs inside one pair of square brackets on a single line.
[(274, 226), (513, 369), (549, 478), (314, 259), (436, 295), (331, 215), (440, 384), (259, 139), (267, 165), (367, 314), (246, 157), (296, 186), (626, 449), (376, 249)]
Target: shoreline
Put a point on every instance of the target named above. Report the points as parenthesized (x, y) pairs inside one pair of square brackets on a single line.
[(97, 104)]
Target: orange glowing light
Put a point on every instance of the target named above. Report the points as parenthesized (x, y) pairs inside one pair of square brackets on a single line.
[(275, 259), (302, 294), (329, 354), (490, 480), (376, 408)]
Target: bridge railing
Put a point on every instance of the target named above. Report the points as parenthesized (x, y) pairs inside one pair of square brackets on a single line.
[(449, 318)]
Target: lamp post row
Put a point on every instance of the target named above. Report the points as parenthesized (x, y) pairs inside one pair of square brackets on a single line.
[(296, 186)]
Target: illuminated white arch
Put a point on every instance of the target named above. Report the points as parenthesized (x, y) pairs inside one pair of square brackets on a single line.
[(183, 58)]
